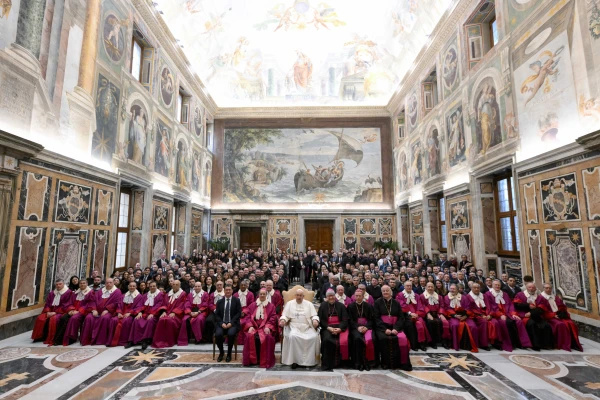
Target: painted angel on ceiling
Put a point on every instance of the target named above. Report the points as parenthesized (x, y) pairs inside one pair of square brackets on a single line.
[(301, 15)]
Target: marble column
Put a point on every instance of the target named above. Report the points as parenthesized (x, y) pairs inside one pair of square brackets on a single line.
[(89, 49), (30, 24)]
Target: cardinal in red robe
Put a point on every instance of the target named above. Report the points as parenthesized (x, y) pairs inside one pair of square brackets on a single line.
[(57, 303), (535, 311), (565, 331), (274, 297), (411, 305), (484, 331), (461, 327), (171, 315), (259, 326), (246, 298), (144, 322), (132, 305), (510, 329), (108, 301), (83, 301), (196, 311), (437, 325)]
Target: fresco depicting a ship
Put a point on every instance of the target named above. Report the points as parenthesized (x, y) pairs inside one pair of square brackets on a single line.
[(329, 176)]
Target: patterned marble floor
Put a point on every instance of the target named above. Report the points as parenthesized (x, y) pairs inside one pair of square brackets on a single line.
[(34, 371)]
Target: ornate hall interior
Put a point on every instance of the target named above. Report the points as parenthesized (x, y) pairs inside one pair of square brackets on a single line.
[(452, 143)]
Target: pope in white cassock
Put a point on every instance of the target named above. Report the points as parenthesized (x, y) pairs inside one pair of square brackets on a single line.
[(302, 340)]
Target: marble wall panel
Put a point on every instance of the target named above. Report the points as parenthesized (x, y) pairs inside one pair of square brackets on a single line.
[(560, 200), (196, 222), (26, 267), (159, 245), (405, 231), (459, 215), (530, 199), (73, 203), (34, 200), (368, 226), (350, 226), (461, 244), (434, 227), (350, 242), (489, 225), (535, 254), (595, 240), (283, 244), (137, 220), (67, 255), (367, 243), (419, 244), (512, 266), (180, 244), (181, 219), (282, 226), (161, 217), (100, 251), (566, 261), (591, 190), (386, 226), (416, 219), (135, 248), (104, 205)]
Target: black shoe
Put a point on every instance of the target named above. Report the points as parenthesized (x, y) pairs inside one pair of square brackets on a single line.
[(405, 367), (361, 368), (487, 348), (294, 366), (220, 357), (228, 359), (367, 368), (446, 344), (383, 366), (128, 345), (144, 345), (433, 345), (325, 369), (423, 347), (535, 348)]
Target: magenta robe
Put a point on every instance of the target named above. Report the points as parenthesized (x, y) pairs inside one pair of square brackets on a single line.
[(42, 319), (143, 328), (484, 330), (102, 333), (347, 302), (564, 330), (277, 301), (457, 327), (122, 326), (370, 301), (83, 308), (249, 300), (422, 332), (167, 328), (197, 322), (497, 310), (267, 341)]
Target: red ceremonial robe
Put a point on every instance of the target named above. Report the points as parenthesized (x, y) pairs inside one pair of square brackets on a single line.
[(249, 300), (422, 332), (143, 328), (277, 301), (267, 341), (167, 328), (82, 308), (41, 321), (122, 326), (102, 333), (566, 334), (497, 310), (197, 322), (484, 331), (436, 310), (457, 327)]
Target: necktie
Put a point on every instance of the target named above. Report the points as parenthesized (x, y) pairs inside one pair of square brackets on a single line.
[(226, 312)]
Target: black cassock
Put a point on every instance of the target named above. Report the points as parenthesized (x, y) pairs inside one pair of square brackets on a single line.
[(388, 345), (538, 329), (330, 344), (357, 339)]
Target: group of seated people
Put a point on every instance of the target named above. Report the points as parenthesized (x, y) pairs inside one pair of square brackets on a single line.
[(359, 324)]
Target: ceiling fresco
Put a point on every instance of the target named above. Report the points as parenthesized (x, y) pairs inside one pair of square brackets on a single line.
[(301, 52)]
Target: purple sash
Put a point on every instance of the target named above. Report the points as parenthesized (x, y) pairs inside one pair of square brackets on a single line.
[(370, 347), (343, 338)]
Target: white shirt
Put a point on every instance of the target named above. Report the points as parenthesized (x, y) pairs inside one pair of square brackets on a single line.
[(82, 293), (552, 300), (219, 296), (432, 299), (173, 296), (57, 294), (499, 296), (150, 298), (130, 296), (455, 300), (260, 311), (242, 297), (197, 296), (410, 297), (106, 293), (478, 299)]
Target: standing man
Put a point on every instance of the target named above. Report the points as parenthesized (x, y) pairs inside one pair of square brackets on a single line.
[(302, 344), (227, 317)]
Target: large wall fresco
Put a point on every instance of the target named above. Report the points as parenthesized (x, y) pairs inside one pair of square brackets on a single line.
[(301, 52), (340, 165)]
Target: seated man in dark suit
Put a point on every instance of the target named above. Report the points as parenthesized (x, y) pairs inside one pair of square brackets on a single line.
[(227, 318), (511, 288)]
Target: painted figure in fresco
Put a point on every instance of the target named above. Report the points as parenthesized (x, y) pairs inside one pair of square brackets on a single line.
[(456, 147), (542, 71), (207, 177), (107, 107), (137, 135), (549, 124), (167, 85), (403, 171), (487, 119), (590, 110), (303, 69), (417, 164), (196, 172), (198, 122), (113, 37), (181, 177), (433, 145), (450, 67), (163, 150), (6, 5)]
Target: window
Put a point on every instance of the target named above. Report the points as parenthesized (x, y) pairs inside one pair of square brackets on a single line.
[(183, 106), (506, 216), (481, 30), (443, 229), (401, 122), (174, 213), (493, 32), (142, 58), (429, 86), (122, 247)]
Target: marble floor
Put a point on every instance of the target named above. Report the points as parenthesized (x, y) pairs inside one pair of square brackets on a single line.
[(34, 371)]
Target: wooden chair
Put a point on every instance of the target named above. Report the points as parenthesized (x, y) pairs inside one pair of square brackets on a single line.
[(235, 344), (289, 295)]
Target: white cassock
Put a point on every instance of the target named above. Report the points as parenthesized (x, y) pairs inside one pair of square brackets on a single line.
[(302, 342)]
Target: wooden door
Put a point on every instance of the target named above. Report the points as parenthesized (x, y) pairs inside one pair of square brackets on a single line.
[(319, 235), (250, 237)]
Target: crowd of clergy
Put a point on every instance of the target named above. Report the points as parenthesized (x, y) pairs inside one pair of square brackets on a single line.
[(370, 309)]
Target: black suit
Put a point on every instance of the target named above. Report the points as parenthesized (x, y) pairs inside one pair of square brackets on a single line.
[(235, 312), (512, 292)]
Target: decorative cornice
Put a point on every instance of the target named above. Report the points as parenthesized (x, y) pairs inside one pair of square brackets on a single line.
[(161, 31), (18, 147), (591, 141), (301, 112), (458, 190)]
